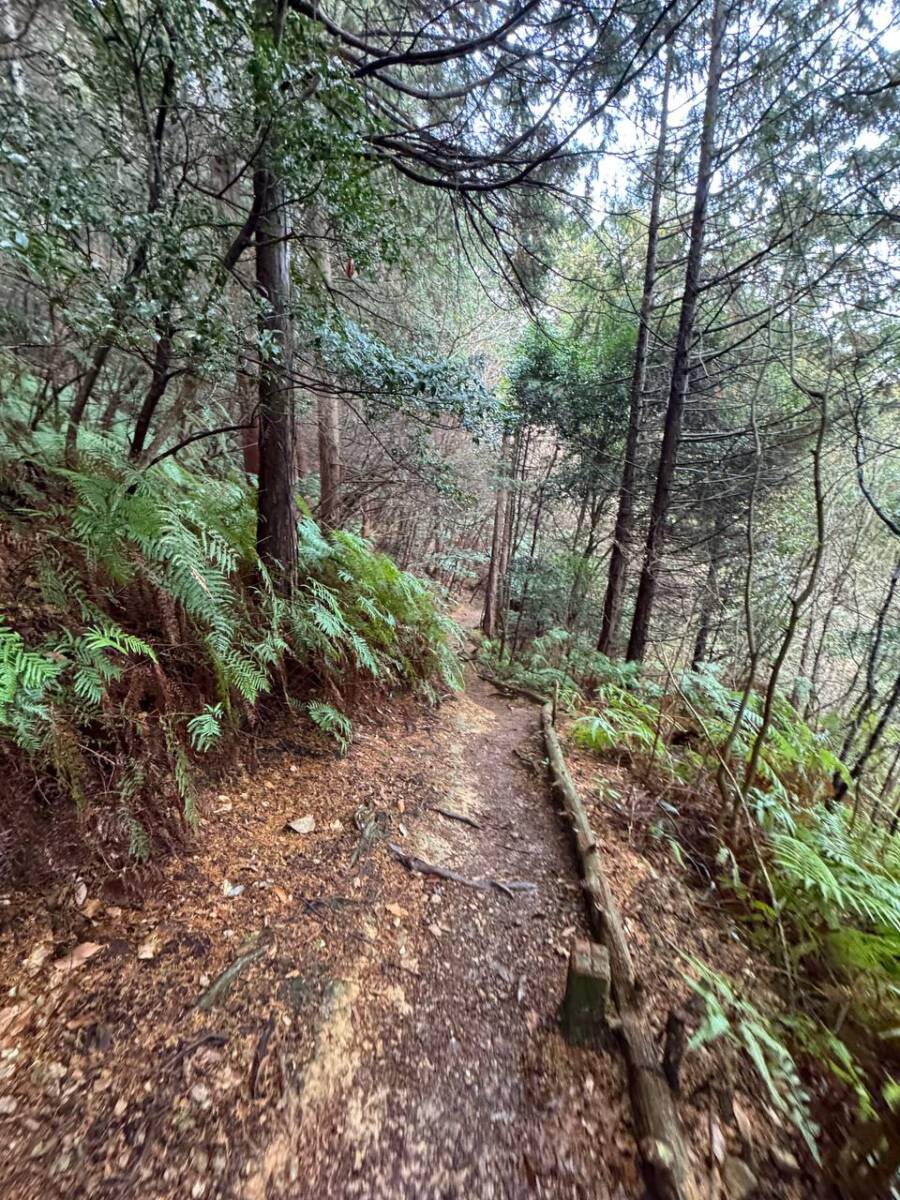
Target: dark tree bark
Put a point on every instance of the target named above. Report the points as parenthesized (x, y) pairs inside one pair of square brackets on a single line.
[(681, 365), (276, 525), (624, 529), (868, 699), (872, 742), (162, 361)]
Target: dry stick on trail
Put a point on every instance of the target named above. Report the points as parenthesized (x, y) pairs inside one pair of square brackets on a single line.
[(663, 1151), (507, 886)]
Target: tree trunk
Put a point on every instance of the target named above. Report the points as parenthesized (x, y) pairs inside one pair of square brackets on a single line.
[(494, 579), (709, 603), (329, 460), (872, 741), (624, 529), (678, 384), (133, 274), (162, 361), (276, 524), (328, 418)]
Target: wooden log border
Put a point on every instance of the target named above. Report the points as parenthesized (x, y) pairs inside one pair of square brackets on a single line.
[(665, 1160)]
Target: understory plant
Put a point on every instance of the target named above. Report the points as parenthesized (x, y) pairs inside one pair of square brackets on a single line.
[(818, 885), (141, 629)]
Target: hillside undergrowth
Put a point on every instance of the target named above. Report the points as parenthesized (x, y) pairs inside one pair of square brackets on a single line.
[(141, 631)]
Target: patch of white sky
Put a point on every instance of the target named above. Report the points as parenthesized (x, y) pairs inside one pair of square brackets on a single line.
[(630, 143)]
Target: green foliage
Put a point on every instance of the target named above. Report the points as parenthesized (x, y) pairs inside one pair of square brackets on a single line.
[(557, 661), (150, 586), (821, 889), (331, 721), (734, 1017)]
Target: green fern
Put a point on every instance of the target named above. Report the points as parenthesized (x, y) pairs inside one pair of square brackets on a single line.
[(332, 722)]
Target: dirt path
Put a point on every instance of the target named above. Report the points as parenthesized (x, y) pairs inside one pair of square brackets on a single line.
[(470, 1093), (388, 1034), (391, 1034)]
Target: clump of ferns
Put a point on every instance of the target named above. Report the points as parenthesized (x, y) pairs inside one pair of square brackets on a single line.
[(142, 571)]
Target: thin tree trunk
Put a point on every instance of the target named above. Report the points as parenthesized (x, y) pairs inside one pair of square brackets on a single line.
[(328, 417), (183, 400), (796, 608), (276, 525), (329, 428), (624, 528), (709, 603), (132, 275), (867, 700), (491, 612), (872, 741), (535, 531), (681, 365), (162, 361)]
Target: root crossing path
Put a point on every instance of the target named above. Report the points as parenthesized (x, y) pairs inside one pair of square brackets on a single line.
[(463, 1087)]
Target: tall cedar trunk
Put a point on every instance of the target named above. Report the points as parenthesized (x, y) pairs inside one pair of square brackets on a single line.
[(492, 590), (624, 530), (276, 523), (329, 421), (276, 526), (511, 526), (637, 642), (535, 532)]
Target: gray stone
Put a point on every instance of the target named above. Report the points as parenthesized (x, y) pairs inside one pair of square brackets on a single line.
[(740, 1182)]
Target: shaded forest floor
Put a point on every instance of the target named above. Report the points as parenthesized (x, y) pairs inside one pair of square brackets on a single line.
[(390, 1034)]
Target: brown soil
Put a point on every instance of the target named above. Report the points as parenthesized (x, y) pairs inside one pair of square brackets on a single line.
[(392, 1034)]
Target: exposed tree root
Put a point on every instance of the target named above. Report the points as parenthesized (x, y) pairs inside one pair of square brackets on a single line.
[(508, 887)]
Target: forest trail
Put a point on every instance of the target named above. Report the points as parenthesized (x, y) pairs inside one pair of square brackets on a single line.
[(290, 1013), (388, 1034), (469, 1091)]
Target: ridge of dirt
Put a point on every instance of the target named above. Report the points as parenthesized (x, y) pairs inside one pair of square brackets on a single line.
[(393, 1034)]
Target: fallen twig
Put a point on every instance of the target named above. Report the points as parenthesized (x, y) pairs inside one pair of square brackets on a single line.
[(260, 1053), (508, 887), (456, 816), (211, 1038), (219, 987)]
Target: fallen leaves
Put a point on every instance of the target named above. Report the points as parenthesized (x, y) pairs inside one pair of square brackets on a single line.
[(38, 957), (77, 957), (13, 1021), (149, 948)]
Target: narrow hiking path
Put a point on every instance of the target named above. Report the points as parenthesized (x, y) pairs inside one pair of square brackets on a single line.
[(391, 1034), (284, 1015), (470, 1092)]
